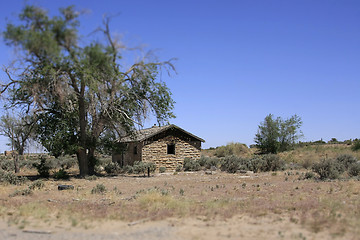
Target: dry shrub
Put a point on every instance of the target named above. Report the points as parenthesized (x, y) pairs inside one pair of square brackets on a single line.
[(328, 169), (237, 149)]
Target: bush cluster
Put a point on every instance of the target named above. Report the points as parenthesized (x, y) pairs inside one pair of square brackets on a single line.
[(268, 162), (209, 162), (142, 167), (112, 168), (99, 189), (11, 178), (38, 184), (354, 169), (334, 168), (43, 167), (61, 174), (356, 145), (7, 165), (328, 169), (191, 165)]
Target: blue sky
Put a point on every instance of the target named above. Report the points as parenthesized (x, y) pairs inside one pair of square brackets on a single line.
[(238, 61)]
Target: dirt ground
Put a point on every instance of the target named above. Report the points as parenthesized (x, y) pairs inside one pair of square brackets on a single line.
[(279, 205)]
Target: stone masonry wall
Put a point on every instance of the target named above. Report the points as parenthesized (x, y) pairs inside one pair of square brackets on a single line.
[(157, 152)]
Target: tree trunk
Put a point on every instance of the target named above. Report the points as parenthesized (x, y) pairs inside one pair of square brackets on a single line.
[(82, 158), (91, 161), (16, 162), (83, 162)]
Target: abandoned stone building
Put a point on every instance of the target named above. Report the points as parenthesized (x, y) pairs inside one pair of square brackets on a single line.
[(166, 146)]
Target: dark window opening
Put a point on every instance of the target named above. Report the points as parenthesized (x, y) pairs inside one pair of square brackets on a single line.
[(135, 150), (171, 148)]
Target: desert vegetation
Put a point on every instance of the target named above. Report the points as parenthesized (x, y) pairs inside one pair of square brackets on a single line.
[(282, 186)]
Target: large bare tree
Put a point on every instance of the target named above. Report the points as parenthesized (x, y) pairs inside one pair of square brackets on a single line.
[(78, 88), (19, 129)]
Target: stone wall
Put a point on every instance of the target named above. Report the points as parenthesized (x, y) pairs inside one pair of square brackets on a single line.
[(157, 152)]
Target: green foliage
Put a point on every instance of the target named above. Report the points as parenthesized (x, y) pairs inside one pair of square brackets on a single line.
[(56, 131), (269, 162), (309, 175), (112, 168), (191, 165), (333, 141), (232, 164), (11, 178), (356, 145), (209, 162), (61, 174), (328, 169), (277, 135), (142, 167), (162, 169), (128, 169), (99, 189), (346, 160), (272, 162), (7, 165), (354, 169), (43, 167)]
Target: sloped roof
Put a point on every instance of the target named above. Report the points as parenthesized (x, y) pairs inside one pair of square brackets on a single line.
[(144, 134)]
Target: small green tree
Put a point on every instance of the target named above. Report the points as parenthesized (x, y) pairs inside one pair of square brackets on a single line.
[(277, 135)]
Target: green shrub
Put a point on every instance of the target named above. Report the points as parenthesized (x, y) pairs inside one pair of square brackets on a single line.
[(43, 167), (61, 174), (66, 162), (128, 169), (191, 165), (356, 145), (7, 165), (309, 175), (29, 163), (142, 167), (328, 169), (112, 168), (256, 164), (269, 162), (346, 160), (162, 169), (208, 162), (37, 184), (232, 164), (99, 189), (11, 178), (354, 169), (272, 162)]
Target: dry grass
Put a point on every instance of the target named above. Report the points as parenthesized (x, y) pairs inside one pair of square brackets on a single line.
[(314, 153), (332, 207)]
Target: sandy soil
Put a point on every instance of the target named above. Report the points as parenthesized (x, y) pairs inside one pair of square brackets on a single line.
[(239, 227), (221, 206)]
